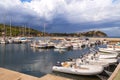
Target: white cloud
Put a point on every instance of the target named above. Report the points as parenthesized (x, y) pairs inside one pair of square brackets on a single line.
[(93, 10), (73, 11), (9, 3), (44, 8), (76, 10)]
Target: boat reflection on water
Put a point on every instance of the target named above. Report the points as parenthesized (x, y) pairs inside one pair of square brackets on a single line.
[(39, 49), (60, 50)]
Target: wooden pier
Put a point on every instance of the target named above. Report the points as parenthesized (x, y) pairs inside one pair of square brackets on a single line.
[(6, 74)]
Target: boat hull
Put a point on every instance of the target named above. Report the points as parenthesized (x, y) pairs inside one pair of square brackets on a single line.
[(83, 70)]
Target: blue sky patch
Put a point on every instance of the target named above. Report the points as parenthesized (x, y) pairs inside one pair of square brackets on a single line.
[(114, 1), (25, 0)]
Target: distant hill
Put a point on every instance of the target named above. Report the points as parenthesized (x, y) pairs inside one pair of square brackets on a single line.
[(25, 31), (93, 33)]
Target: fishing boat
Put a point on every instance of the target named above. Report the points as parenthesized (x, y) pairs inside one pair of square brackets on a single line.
[(73, 68)]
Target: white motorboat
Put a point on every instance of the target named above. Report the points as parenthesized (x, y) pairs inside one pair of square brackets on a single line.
[(103, 55), (3, 41), (60, 46), (103, 61), (16, 40), (34, 43), (93, 62), (107, 56), (10, 40), (109, 49), (41, 45), (75, 45), (110, 53), (23, 40), (110, 61), (97, 59), (103, 64), (79, 70)]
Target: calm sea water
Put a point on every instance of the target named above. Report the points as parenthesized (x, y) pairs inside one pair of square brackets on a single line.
[(38, 62)]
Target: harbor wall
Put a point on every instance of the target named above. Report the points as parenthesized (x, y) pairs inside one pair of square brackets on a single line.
[(110, 40)]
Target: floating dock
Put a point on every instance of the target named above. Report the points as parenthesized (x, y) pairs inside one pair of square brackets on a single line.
[(6, 74)]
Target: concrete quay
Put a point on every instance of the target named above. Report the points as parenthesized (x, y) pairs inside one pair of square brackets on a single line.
[(6, 74)]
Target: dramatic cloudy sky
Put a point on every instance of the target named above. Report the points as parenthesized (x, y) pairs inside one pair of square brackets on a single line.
[(63, 15)]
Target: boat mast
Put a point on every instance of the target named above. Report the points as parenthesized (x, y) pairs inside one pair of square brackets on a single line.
[(44, 32), (25, 30), (20, 33), (44, 29), (29, 31), (4, 32), (10, 29)]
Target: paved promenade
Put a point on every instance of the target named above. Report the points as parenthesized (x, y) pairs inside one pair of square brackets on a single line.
[(6, 74)]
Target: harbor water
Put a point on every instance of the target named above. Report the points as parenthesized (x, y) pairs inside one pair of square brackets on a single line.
[(38, 62)]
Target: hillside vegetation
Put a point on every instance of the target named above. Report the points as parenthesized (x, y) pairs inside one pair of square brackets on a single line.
[(83, 34), (19, 31), (25, 31)]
